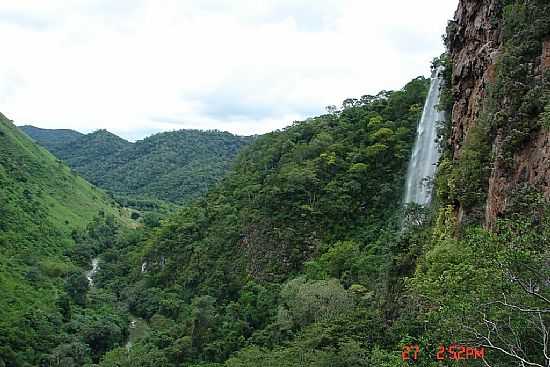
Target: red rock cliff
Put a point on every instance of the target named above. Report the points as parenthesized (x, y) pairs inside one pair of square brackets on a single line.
[(475, 42)]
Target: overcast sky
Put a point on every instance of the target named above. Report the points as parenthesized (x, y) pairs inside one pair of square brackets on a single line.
[(136, 67)]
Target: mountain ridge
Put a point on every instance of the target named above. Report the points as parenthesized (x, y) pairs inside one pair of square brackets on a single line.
[(175, 166), (50, 138)]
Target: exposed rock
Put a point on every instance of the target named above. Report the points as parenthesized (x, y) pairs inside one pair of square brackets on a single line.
[(532, 166), (474, 43), (272, 253), (473, 46)]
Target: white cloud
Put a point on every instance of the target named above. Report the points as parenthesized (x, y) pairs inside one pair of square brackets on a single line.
[(136, 67)]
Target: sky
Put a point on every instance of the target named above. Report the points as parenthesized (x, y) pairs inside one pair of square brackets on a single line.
[(137, 67)]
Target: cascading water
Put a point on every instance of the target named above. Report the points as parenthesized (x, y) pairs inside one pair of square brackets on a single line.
[(425, 154), (90, 273)]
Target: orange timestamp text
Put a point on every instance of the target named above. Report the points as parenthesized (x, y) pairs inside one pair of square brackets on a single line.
[(453, 352)]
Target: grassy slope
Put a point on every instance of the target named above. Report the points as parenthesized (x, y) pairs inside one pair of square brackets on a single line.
[(41, 202), (68, 196)]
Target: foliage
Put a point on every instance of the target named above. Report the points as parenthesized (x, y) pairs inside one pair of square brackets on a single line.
[(519, 94), (476, 289), (40, 201), (221, 273), (307, 302), (302, 255), (50, 139), (470, 175), (42, 205), (172, 167)]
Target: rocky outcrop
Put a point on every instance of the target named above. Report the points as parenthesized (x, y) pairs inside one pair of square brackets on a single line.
[(474, 43), (272, 253), (531, 167)]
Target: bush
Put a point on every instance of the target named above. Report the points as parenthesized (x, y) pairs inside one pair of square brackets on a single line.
[(306, 302)]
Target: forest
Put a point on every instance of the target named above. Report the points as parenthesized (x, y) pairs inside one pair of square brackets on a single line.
[(155, 174), (294, 248)]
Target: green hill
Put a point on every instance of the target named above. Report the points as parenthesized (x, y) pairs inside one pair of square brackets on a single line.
[(173, 166), (92, 155), (33, 178), (42, 204), (50, 138)]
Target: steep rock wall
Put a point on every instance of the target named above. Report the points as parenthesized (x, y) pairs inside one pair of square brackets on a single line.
[(475, 42)]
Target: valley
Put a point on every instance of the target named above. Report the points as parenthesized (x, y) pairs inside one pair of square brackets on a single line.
[(411, 226)]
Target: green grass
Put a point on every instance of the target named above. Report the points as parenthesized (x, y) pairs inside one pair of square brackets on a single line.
[(41, 202), (67, 196)]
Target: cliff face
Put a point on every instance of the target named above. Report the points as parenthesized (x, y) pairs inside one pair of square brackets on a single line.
[(475, 43), (473, 46)]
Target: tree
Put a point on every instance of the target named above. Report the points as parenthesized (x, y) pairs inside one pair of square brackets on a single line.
[(64, 306), (102, 335), (140, 355), (331, 110), (307, 302), (75, 354), (203, 315), (517, 323), (76, 286)]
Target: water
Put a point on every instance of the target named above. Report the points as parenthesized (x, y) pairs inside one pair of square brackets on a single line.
[(425, 154), (138, 329), (131, 327), (90, 273)]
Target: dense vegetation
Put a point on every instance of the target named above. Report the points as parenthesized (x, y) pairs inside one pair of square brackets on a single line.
[(293, 245), (42, 204), (51, 138), (301, 192), (520, 95), (174, 166), (298, 258), (491, 287), (301, 256)]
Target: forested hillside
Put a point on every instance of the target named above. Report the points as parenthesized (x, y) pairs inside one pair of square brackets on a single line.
[(173, 166), (50, 138), (43, 205), (304, 253), (212, 279), (289, 257), (303, 256)]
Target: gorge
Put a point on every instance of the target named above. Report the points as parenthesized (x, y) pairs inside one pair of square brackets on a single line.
[(295, 253)]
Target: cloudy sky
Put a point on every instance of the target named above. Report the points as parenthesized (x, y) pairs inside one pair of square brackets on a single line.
[(136, 67)]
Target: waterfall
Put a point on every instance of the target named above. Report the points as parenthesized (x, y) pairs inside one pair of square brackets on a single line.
[(425, 154), (90, 273)]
